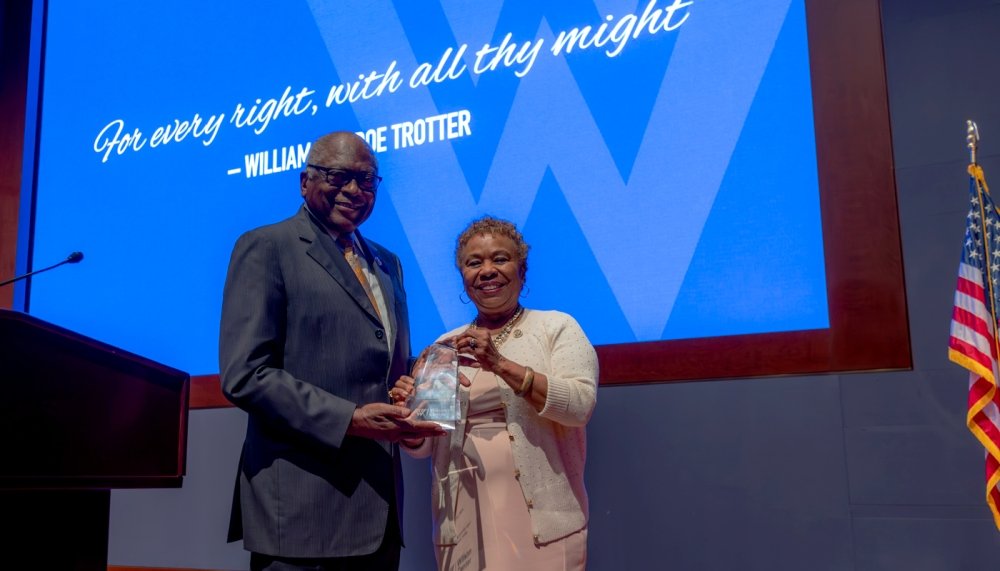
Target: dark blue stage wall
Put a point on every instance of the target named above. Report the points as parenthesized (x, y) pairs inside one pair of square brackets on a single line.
[(659, 156)]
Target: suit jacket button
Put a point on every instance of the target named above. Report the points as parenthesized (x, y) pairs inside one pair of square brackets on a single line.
[(379, 333)]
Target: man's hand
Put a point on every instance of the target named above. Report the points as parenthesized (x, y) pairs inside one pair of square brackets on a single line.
[(381, 421)]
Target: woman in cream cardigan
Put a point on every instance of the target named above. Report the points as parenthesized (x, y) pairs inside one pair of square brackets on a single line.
[(508, 487)]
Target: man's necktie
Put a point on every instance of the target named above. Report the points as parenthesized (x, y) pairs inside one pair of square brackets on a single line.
[(347, 244)]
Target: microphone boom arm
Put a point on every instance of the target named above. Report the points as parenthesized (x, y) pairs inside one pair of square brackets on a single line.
[(73, 258)]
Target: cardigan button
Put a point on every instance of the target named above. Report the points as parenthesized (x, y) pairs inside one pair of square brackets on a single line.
[(536, 538), (511, 437), (517, 473), (530, 504)]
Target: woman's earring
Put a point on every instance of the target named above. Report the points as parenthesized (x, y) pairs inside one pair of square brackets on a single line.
[(464, 300), (525, 291)]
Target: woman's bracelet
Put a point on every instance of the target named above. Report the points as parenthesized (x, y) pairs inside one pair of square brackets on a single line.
[(529, 378)]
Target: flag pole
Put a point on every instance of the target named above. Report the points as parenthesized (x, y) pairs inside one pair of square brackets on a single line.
[(976, 172)]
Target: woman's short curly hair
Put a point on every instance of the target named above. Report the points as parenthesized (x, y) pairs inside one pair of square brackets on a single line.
[(497, 227)]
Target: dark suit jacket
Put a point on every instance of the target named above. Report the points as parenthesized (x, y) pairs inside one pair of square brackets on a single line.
[(300, 346)]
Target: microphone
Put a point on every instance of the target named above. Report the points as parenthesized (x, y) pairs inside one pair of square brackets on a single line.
[(73, 258)]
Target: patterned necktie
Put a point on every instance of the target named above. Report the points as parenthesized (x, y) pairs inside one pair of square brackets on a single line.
[(347, 244)]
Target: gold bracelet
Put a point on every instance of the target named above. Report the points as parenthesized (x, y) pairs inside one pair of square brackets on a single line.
[(529, 378)]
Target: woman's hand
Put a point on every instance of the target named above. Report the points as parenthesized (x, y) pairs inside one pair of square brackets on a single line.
[(402, 391), (476, 349)]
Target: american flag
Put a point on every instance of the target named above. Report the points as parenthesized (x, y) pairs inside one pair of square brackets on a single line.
[(973, 343)]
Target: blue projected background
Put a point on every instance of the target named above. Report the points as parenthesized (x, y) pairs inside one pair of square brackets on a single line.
[(659, 157)]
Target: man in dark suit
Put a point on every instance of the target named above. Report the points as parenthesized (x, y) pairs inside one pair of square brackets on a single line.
[(314, 333)]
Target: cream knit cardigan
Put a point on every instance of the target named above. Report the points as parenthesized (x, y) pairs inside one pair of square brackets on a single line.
[(549, 447)]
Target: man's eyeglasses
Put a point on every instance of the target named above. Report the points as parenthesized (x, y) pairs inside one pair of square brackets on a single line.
[(339, 178)]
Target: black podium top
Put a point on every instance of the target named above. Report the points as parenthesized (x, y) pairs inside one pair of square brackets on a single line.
[(76, 413)]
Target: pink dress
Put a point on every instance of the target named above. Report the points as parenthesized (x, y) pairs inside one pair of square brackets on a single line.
[(491, 517)]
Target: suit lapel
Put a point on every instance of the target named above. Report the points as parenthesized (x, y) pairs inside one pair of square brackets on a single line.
[(321, 248)]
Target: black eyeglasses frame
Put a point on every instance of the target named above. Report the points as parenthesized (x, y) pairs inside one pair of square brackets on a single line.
[(359, 177)]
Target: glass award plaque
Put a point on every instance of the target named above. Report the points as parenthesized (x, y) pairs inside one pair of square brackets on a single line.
[(435, 396)]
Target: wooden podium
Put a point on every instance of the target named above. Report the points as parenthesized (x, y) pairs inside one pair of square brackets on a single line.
[(77, 418)]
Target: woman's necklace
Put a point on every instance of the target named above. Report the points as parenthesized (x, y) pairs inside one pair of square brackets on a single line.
[(504, 332)]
